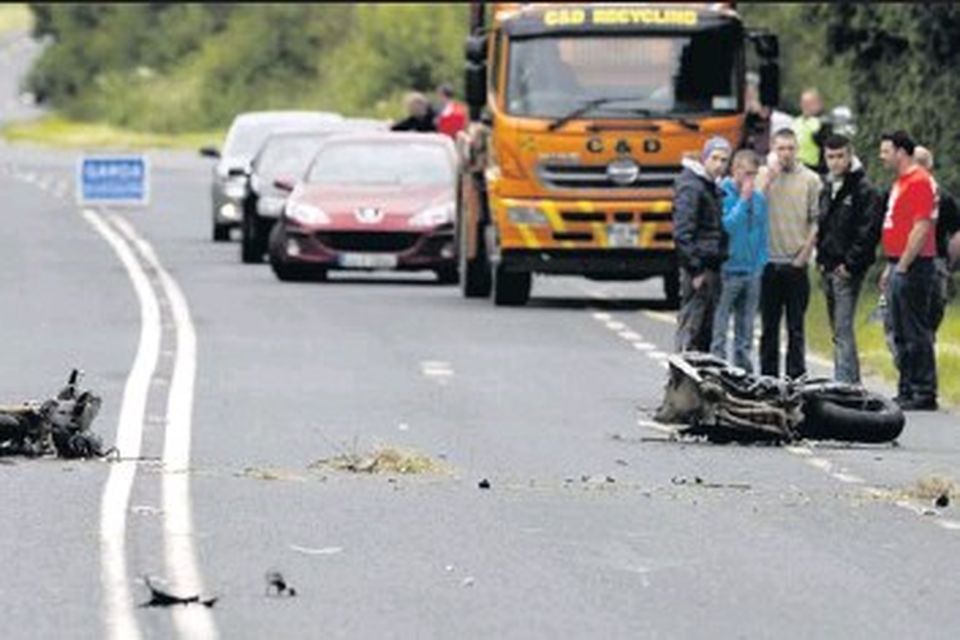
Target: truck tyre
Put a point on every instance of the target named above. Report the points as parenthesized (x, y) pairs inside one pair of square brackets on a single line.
[(511, 289), (252, 245), (870, 418), (221, 232), (671, 289)]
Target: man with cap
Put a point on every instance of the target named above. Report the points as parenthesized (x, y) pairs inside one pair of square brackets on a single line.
[(701, 242)]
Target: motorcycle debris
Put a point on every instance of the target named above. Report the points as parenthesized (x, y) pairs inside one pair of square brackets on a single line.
[(160, 598)]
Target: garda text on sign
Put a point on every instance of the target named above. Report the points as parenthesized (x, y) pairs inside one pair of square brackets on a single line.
[(113, 179)]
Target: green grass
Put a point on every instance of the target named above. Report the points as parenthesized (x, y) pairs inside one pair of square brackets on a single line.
[(58, 131), (15, 17), (875, 358)]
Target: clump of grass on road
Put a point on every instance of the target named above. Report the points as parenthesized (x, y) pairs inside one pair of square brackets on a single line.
[(875, 358), (54, 130), (15, 16), (387, 460)]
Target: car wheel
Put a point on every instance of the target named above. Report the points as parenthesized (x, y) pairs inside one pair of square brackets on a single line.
[(511, 289), (221, 232), (671, 289), (251, 244), (298, 272), (447, 275)]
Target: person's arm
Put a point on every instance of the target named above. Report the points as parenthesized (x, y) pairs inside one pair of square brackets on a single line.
[(869, 218), (813, 209), (684, 227)]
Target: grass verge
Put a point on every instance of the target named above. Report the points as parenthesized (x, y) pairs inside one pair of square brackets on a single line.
[(54, 130), (15, 16), (875, 358)]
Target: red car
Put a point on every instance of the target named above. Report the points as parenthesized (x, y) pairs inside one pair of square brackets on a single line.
[(379, 200)]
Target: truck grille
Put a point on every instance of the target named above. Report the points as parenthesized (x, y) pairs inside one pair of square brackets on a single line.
[(370, 241), (584, 176)]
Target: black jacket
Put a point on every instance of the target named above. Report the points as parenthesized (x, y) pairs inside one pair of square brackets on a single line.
[(948, 220), (698, 220), (425, 123), (849, 224)]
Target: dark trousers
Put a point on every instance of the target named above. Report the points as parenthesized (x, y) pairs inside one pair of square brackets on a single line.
[(842, 294), (784, 288), (697, 306), (911, 296)]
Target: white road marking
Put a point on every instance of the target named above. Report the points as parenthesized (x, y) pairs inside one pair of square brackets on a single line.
[(615, 325), (436, 369), (656, 426), (630, 336), (117, 600), (658, 355), (644, 346), (602, 317), (181, 557), (849, 478), (323, 551), (951, 525)]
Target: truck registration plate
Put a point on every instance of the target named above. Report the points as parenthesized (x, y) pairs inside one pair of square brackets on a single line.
[(368, 261), (620, 235)]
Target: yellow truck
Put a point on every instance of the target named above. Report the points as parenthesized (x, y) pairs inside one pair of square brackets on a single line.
[(580, 117)]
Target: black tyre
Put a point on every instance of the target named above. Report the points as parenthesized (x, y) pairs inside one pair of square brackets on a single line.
[(511, 289), (447, 275), (221, 232), (252, 245), (671, 289), (297, 272), (475, 280), (868, 417)]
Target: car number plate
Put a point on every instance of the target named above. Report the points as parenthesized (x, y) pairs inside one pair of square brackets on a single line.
[(368, 260), (622, 235)]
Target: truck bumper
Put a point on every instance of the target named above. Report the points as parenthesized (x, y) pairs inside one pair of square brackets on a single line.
[(599, 264)]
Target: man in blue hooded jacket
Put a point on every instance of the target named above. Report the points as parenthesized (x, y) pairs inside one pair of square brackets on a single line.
[(747, 225)]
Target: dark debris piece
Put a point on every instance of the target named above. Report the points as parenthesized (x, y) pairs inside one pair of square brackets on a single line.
[(277, 585), (160, 598), (943, 501), (484, 484)]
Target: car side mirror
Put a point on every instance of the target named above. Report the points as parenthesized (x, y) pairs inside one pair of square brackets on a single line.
[(284, 184), (209, 152), (237, 172)]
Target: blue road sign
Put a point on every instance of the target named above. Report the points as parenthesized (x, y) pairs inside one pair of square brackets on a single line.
[(117, 180)]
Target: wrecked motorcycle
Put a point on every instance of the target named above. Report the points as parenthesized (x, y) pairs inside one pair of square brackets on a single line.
[(59, 425), (726, 404)]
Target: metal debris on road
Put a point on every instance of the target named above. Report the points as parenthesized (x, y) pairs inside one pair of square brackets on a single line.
[(277, 585), (59, 426), (160, 598), (483, 484)]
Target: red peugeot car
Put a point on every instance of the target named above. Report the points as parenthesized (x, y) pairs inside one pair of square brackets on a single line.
[(378, 200)]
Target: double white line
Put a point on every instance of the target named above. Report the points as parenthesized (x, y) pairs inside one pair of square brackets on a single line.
[(139, 258)]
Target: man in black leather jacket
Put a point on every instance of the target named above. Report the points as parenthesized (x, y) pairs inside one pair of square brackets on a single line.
[(847, 237)]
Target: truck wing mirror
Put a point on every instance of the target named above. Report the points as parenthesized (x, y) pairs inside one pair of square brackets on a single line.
[(770, 84), (476, 48)]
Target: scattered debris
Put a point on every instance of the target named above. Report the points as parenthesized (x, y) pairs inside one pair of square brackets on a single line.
[(322, 551), (942, 501), (146, 510), (383, 460), (267, 473), (160, 598), (698, 481), (468, 581), (622, 462), (597, 479), (449, 568), (58, 426), (277, 585), (484, 484), (932, 488)]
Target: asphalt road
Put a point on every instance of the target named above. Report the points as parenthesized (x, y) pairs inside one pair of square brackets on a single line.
[(794, 545)]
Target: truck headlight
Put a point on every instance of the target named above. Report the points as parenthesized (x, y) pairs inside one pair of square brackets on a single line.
[(526, 215), (306, 213), (433, 216)]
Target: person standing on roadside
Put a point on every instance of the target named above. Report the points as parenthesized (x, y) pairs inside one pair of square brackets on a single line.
[(420, 114), (745, 221), (792, 192), (701, 243), (948, 236), (451, 115), (811, 129), (848, 233), (909, 242)]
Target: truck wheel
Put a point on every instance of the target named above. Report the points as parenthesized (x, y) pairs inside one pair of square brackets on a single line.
[(511, 289), (671, 289), (221, 232), (251, 244), (475, 279)]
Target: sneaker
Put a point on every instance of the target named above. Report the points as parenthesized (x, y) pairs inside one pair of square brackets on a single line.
[(915, 404)]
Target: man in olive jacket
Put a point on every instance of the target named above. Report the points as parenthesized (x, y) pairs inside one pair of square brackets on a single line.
[(701, 243), (847, 238)]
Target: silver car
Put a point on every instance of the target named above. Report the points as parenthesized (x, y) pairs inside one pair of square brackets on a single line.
[(244, 138)]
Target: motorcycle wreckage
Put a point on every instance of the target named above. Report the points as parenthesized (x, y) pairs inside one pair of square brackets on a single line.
[(59, 425), (726, 404)]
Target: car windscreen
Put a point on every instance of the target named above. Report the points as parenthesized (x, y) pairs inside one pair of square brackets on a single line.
[(377, 163), (288, 155), (675, 73), (246, 136)]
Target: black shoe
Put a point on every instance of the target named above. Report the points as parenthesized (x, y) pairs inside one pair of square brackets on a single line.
[(918, 404)]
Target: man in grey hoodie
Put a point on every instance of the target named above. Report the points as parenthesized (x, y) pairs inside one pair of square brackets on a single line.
[(701, 243)]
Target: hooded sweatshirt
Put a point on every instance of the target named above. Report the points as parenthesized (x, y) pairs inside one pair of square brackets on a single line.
[(697, 220), (849, 221), (747, 225)]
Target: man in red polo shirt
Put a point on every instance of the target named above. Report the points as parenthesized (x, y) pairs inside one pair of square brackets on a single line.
[(451, 115), (909, 242)]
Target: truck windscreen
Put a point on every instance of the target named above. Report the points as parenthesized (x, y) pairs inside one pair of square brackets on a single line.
[(689, 73)]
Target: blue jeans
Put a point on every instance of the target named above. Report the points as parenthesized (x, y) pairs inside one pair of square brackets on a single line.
[(842, 294), (740, 294), (910, 297)]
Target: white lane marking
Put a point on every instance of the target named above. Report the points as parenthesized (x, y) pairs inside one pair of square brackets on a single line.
[(117, 599), (322, 551), (819, 463), (849, 478), (630, 336), (181, 557), (615, 325), (951, 525), (658, 355), (644, 346), (602, 317), (436, 369)]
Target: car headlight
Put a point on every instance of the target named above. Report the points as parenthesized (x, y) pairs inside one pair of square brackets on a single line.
[(306, 213), (526, 215), (270, 207), (433, 216), (235, 189)]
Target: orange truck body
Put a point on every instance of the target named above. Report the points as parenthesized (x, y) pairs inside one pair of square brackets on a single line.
[(536, 197)]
